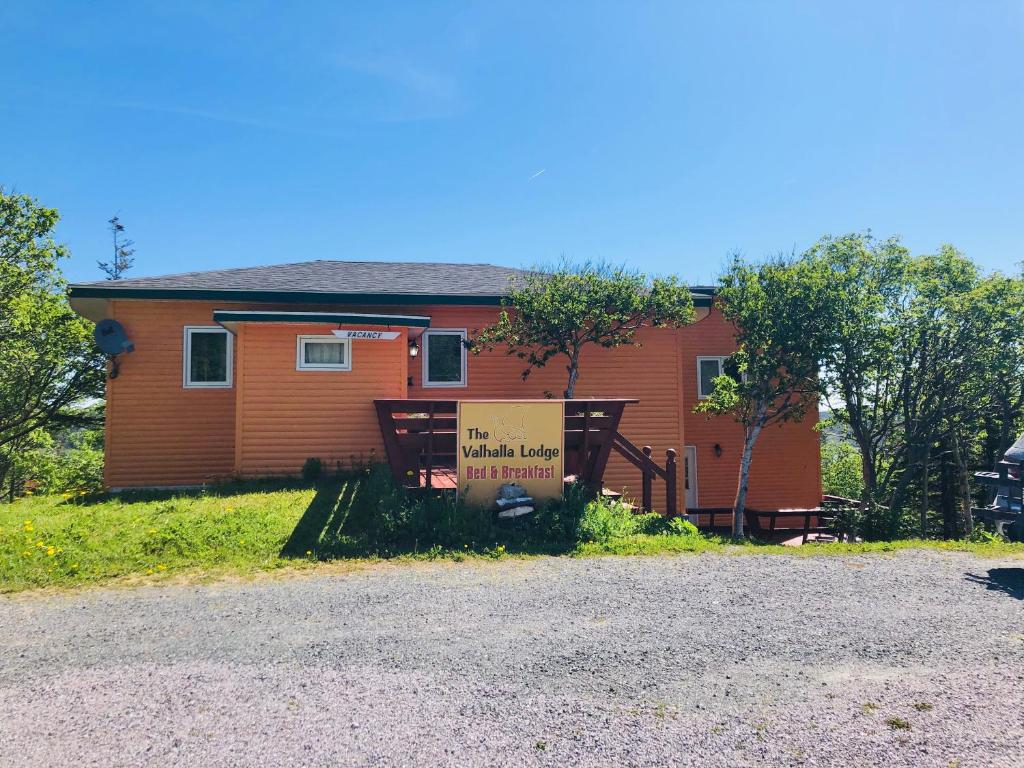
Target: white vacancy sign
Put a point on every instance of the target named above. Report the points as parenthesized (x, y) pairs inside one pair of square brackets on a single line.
[(352, 333)]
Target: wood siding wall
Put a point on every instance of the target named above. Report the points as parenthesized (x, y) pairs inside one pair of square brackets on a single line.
[(286, 416), (159, 433)]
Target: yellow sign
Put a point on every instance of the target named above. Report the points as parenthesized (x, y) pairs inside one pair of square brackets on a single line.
[(514, 443)]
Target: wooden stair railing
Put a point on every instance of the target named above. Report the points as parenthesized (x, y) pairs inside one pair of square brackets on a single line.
[(649, 469)]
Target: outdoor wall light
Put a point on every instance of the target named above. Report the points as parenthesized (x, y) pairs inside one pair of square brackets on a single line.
[(718, 451), (414, 348)]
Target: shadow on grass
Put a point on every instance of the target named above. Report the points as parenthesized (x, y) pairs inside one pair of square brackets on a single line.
[(362, 517), (1009, 581), (323, 518)]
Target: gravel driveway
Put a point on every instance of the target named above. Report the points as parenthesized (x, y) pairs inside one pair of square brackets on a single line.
[(915, 659)]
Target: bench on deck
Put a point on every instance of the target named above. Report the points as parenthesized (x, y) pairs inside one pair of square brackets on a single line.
[(775, 525)]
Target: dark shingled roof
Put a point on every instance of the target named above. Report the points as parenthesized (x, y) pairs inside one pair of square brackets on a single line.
[(338, 277)]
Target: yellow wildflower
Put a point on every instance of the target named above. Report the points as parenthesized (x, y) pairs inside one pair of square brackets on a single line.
[(152, 530), (161, 567), (50, 552), (149, 571), (39, 544), (309, 552)]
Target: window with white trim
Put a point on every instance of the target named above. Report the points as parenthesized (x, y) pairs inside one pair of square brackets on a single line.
[(208, 357), (323, 353), (444, 357), (708, 369)]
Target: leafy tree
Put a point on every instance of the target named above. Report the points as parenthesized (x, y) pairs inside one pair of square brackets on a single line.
[(926, 357), (124, 253), (48, 362), (998, 301), (862, 380), (841, 470), (562, 311), (783, 311)]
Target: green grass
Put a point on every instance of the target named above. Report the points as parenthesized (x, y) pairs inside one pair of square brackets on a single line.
[(53, 541)]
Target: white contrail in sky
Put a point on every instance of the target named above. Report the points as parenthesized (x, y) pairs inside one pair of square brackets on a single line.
[(538, 173)]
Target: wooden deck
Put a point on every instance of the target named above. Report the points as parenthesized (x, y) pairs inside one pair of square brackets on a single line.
[(421, 441), (441, 478)]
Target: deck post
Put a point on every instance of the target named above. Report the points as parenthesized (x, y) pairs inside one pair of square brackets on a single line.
[(647, 477), (671, 503), (584, 455), (430, 446)]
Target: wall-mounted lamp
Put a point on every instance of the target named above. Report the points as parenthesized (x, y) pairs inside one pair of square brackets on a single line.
[(414, 348), (718, 451)]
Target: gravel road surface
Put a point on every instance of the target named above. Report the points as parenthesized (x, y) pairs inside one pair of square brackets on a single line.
[(915, 659)]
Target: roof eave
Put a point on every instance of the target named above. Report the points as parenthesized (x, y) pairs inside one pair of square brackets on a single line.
[(230, 319), (279, 297)]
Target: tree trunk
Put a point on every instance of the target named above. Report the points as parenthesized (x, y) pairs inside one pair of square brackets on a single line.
[(892, 527), (965, 523), (947, 503), (574, 372), (924, 491), (867, 470), (749, 438)]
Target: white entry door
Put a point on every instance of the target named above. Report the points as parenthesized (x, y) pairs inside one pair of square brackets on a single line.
[(690, 473)]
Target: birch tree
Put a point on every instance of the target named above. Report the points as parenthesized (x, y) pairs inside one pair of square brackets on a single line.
[(784, 314)]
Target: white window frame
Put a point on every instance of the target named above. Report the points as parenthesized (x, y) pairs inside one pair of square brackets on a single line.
[(302, 365), (186, 374), (701, 395), (425, 344)]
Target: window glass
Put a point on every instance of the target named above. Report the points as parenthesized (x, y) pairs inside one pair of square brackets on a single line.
[(444, 357), (325, 353), (710, 368), (208, 357)]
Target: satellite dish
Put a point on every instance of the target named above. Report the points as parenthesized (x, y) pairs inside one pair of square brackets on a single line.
[(111, 338)]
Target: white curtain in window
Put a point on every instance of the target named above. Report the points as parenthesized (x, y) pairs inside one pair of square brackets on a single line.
[(325, 353)]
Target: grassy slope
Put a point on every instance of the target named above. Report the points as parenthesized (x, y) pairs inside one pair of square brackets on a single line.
[(53, 541)]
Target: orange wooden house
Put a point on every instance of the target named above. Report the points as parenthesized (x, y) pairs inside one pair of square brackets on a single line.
[(238, 373)]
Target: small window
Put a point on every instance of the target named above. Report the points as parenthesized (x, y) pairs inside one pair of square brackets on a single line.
[(323, 353), (207, 357), (444, 358), (708, 369)]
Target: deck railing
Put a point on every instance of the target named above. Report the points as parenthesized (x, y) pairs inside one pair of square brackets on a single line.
[(420, 438)]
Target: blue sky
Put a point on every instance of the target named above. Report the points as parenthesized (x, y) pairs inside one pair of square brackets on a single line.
[(664, 135)]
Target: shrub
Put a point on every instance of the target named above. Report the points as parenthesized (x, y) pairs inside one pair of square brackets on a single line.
[(382, 519), (312, 469), (604, 520), (67, 463)]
